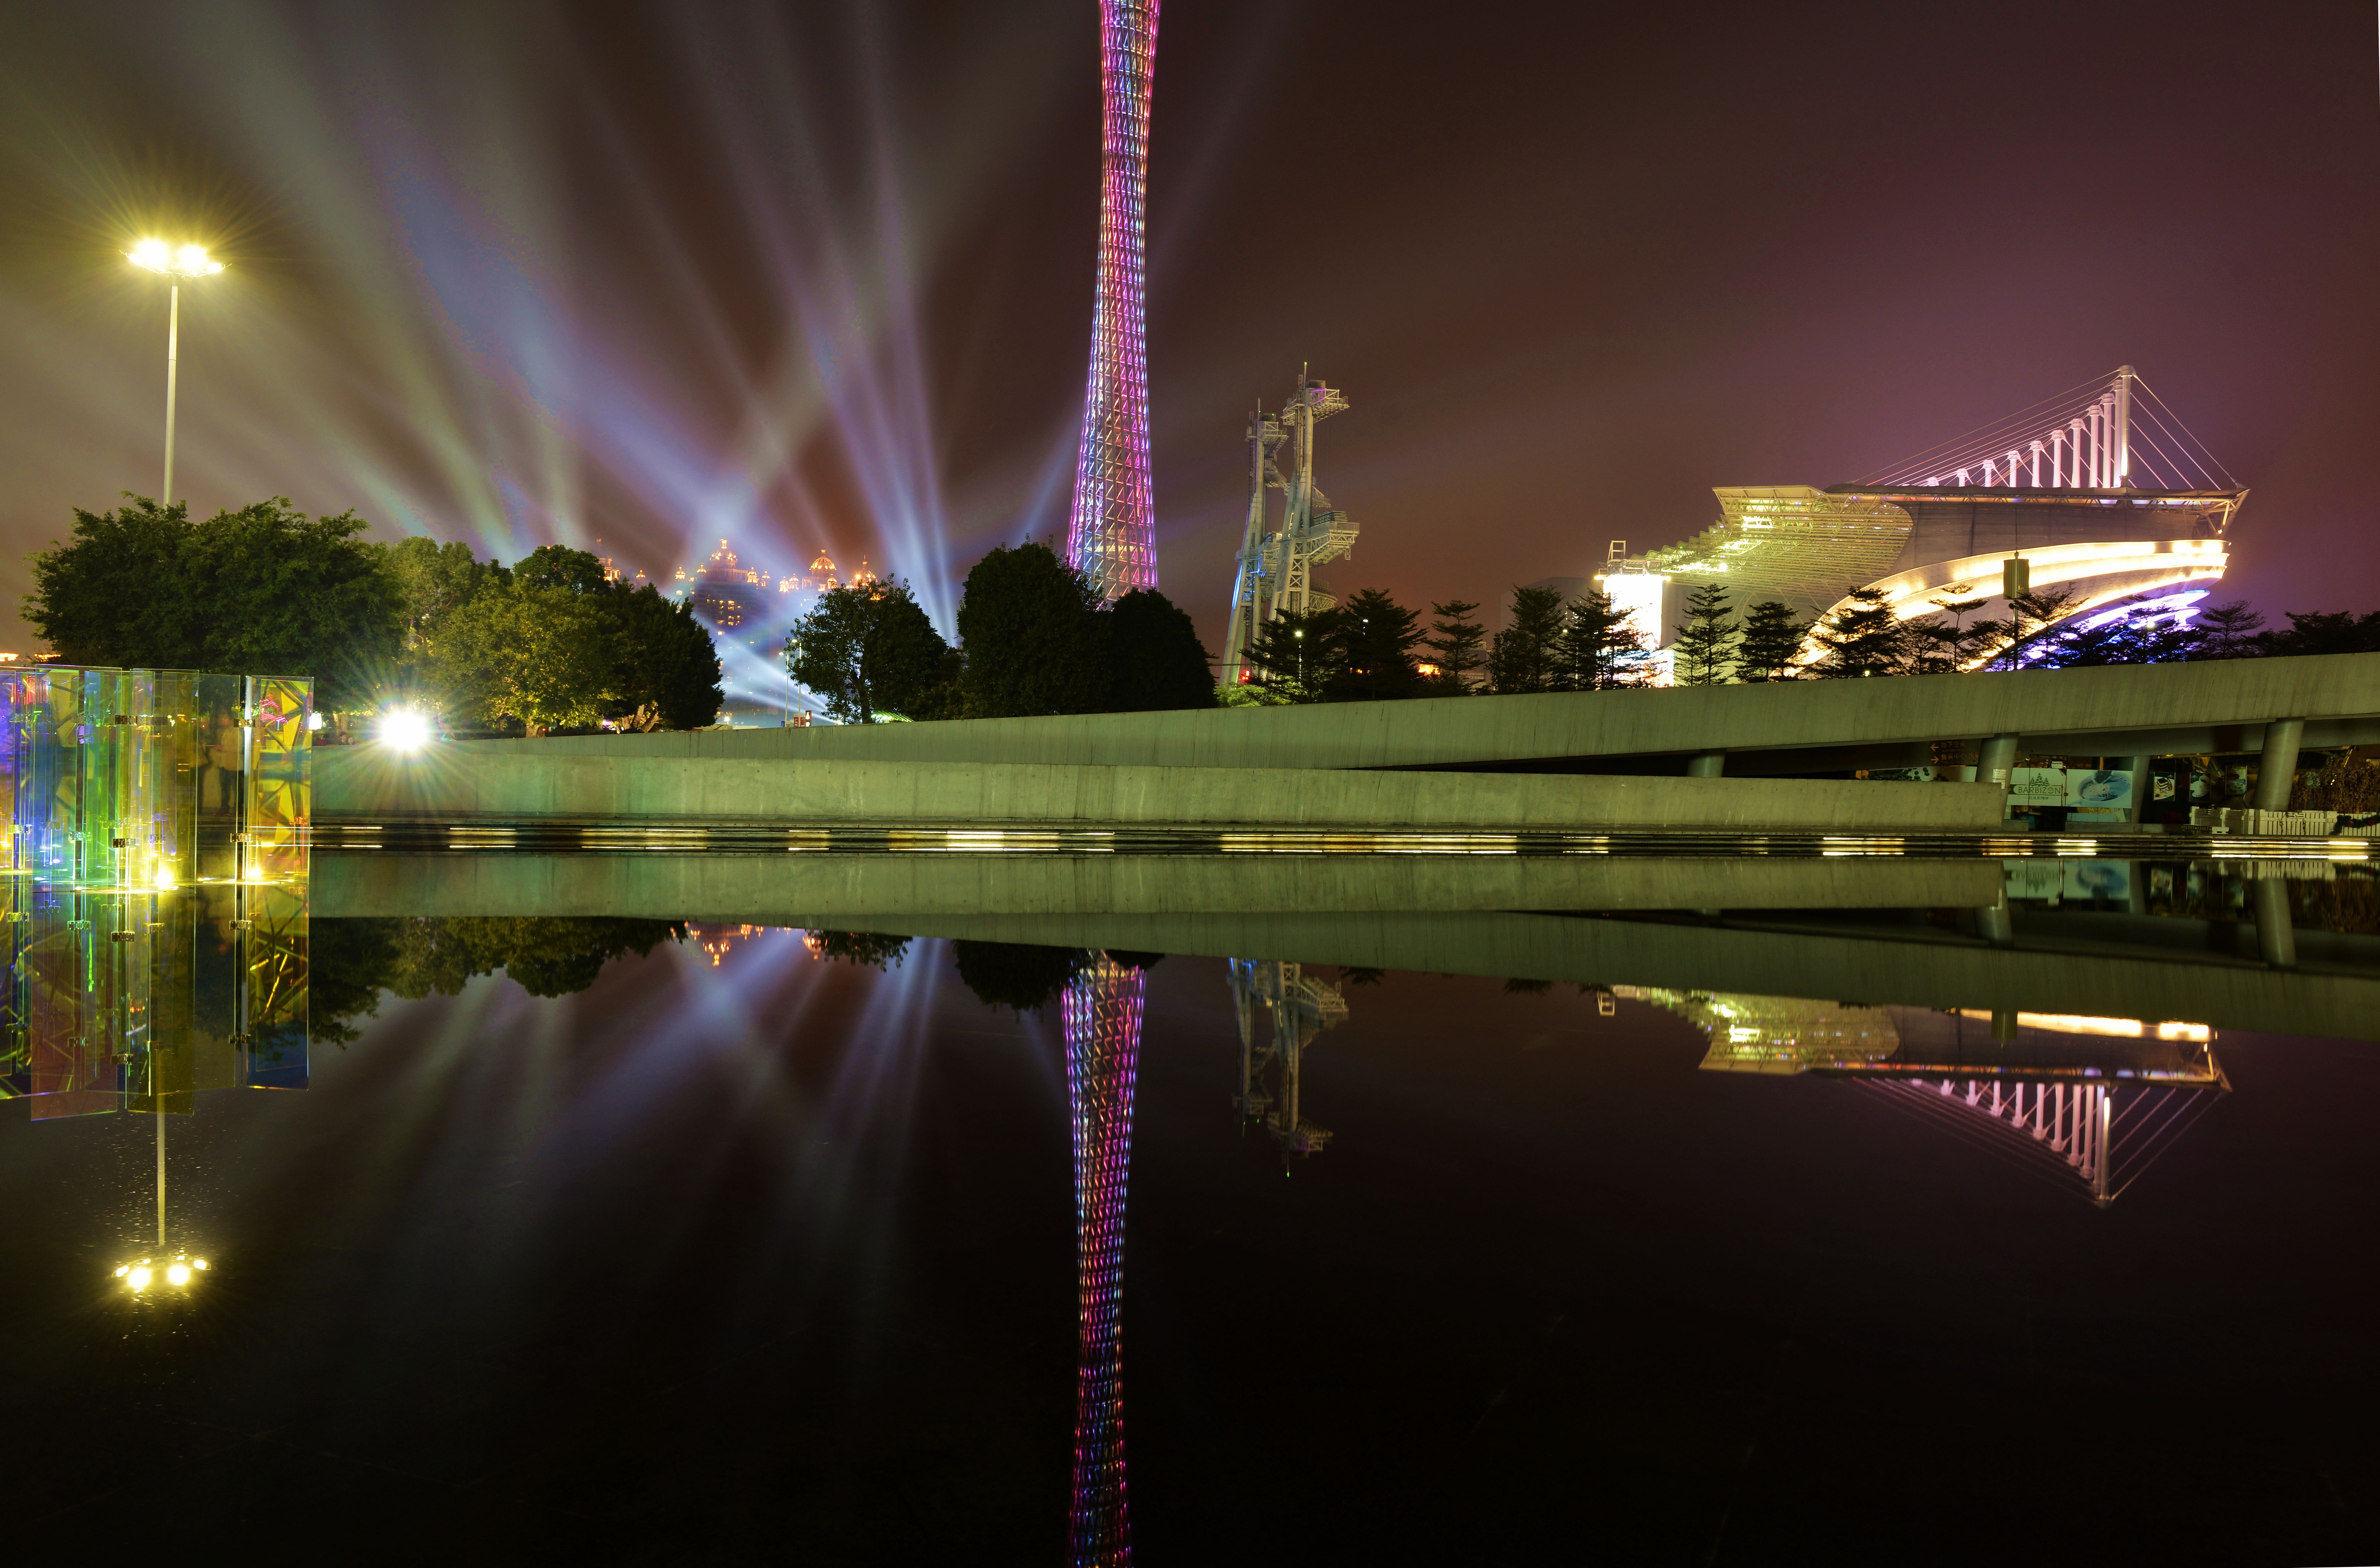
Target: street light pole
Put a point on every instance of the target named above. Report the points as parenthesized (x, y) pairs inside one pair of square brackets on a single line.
[(190, 261), (173, 372)]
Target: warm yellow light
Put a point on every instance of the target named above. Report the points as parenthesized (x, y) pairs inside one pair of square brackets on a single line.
[(139, 1278), (165, 879), (190, 261), (179, 1275), (198, 1262), (122, 1270)]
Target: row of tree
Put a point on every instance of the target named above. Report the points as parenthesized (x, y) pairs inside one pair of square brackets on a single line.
[(546, 642), (1034, 638), (1372, 648)]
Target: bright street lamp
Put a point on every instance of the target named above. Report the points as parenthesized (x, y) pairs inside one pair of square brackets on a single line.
[(190, 261)]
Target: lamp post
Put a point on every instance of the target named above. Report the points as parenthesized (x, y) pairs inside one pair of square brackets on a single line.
[(190, 261)]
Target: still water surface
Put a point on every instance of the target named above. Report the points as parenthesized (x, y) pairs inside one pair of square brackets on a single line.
[(748, 1241)]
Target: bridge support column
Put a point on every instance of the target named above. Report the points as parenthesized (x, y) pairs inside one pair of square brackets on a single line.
[(1709, 765), (1998, 759), (2279, 769), (2276, 941), (1995, 927), (2139, 768)]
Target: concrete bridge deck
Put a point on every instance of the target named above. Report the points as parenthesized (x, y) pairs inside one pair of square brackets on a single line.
[(2120, 709)]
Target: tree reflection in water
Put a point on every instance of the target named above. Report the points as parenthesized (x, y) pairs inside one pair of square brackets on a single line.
[(355, 960)]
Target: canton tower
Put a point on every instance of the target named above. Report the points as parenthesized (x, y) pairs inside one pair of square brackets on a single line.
[(1102, 1008), (1111, 537)]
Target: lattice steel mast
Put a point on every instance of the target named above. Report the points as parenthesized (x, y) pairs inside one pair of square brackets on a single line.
[(1274, 574), (1111, 537)]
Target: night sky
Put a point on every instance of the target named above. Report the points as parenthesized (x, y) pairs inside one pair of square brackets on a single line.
[(821, 275)]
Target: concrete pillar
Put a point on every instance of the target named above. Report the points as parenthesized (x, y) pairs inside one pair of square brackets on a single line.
[(1998, 759), (2279, 768), (2139, 768), (2276, 941), (1709, 765), (1995, 927)]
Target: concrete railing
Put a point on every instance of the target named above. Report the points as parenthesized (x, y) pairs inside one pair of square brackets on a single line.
[(536, 782), (2218, 706)]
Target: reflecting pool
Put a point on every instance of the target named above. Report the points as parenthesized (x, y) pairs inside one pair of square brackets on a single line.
[(1069, 1206)]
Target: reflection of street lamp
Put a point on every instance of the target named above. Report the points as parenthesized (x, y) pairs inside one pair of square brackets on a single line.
[(190, 261)]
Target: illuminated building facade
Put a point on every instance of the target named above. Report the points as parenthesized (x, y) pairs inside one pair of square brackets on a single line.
[(1102, 1007), (2058, 488), (1111, 537)]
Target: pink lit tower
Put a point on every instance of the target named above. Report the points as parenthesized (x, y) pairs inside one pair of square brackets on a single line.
[(1103, 1007), (1111, 537)]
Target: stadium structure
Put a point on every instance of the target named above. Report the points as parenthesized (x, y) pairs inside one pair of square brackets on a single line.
[(1274, 574), (2089, 1101), (2100, 492)]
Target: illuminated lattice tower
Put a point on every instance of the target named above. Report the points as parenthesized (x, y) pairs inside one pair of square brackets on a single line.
[(1111, 537), (1103, 1013)]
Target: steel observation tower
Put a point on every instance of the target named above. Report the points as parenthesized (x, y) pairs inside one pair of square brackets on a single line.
[(1111, 537)]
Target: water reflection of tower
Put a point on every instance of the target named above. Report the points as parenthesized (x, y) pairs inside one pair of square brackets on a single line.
[(1301, 1007), (1102, 1008)]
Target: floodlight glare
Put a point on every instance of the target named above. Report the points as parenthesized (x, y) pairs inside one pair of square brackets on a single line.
[(179, 1275), (138, 1278), (153, 254), (406, 729)]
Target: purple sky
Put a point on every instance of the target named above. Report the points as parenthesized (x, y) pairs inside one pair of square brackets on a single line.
[(821, 275)]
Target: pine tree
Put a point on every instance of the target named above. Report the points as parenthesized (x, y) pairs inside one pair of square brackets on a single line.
[(1457, 645), (1295, 655), (2228, 631), (1374, 645), (1772, 635), (1523, 656), (1706, 645), (1939, 647), (1598, 650), (1864, 637)]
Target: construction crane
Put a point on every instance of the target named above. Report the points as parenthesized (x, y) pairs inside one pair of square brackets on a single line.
[(1274, 573)]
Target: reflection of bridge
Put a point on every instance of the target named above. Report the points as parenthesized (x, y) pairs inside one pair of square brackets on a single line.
[(1301, 1007), (2092, 1098)]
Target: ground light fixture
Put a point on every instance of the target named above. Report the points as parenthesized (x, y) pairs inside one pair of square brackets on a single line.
[(406, 729), (178, 1272), (179, 264)]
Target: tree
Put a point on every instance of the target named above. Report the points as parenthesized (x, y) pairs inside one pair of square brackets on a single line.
[(1296, 655), (1598, 649), (544, 655), (1374, 649), (1772, 637), (1706, 644), (1940, 646), (866, 649), (1863, 638), (665, 661), (1457, 645), (1523, 655), (2334, 632), (436, 580), (1035, 642), (1155, 659), (1017, 976), (261, 590), (2229, 631), (2033, 622)]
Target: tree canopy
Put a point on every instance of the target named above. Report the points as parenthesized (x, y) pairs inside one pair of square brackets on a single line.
[(1155, 659), (866, 649), (1035, 639), (264, 590)]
